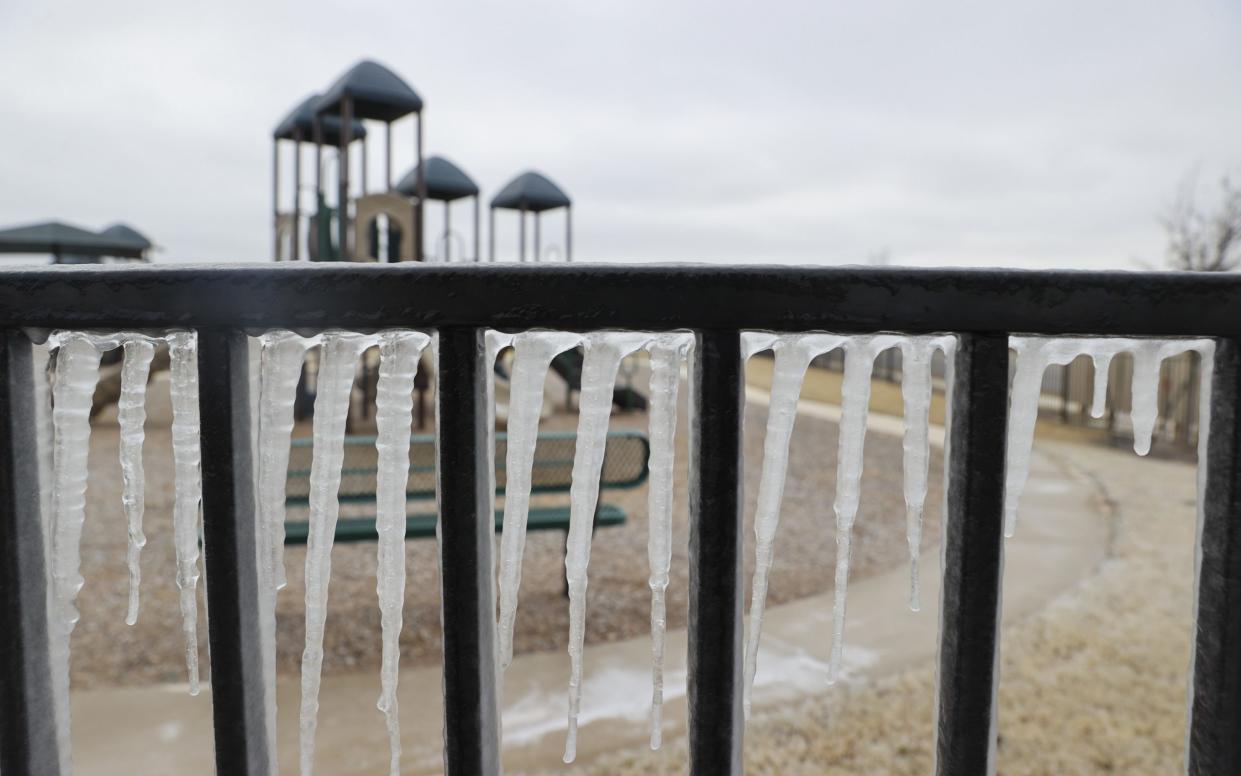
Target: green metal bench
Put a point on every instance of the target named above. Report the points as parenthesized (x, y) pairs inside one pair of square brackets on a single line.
[(624, 467)]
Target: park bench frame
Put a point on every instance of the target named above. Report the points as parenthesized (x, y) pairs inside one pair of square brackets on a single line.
[(422, 525)]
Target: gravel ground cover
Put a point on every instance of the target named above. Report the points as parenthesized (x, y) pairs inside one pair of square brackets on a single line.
[(1095, 683)]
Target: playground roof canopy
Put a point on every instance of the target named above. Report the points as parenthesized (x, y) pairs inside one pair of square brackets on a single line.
[(531, 191), (61, 239), (303, 117), (122, 231), (445, 181), (376, 93)]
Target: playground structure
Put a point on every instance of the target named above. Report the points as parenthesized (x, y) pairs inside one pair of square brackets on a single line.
[(532, 193), (387, 224)]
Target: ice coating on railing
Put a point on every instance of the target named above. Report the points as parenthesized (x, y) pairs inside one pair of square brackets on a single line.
[(337, 368), (183, 354), (916, 389), (399, 352), (793, 354), (860, 355), (604, 352), (77, 372), (533, 354), (667, 352), (281, 365), (131, 416), (1035, 354)]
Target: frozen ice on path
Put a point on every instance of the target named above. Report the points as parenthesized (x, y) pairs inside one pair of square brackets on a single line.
[(337, 368), (77, 372), (667, 351), (399, 352), (1034, 354), (860, 355), (131, 416), (281, 366), (604, 352), (183, 353), (793, 354), (533, 354), (916, 356)]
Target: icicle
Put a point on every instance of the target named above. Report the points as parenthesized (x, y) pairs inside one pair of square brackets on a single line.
[(337, 368), (131, 416), (604, 351), (916, 356), (1102, 364), (860, 355), (667, 352), (183, 352), (793, 354), (399, 352), (1034, 355), (282, 357), (534, 352), (1147, 358), (493, 343), (77, 372)]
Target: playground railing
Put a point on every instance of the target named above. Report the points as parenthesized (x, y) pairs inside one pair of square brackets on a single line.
[(981, 307)]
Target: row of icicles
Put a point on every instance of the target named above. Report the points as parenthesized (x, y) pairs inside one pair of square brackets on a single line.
[(281, 358)]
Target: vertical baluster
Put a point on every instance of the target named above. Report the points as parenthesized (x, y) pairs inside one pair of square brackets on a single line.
[(238, 689), (715, 548), (28, 743), (973, 556), (466, 534), (1215, 707)]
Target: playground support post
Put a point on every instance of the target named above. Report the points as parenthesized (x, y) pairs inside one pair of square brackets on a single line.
[(568, 233), (491, 231), (447, 230), (521, 237), (477, 257), (388, 156), (295, 252), (342, 176), (422, 189), (537, 247), (275, 199), (365, 165), (318, 162)]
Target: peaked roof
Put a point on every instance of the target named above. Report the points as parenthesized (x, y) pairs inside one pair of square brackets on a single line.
[(531, 191), (303, 117), (376, 92), (121, 231), (56, 237), (445, 181)]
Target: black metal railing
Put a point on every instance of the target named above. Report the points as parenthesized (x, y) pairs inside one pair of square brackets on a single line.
[(460, 303)]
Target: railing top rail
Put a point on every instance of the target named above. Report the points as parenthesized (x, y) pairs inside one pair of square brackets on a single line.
[(580, 297)]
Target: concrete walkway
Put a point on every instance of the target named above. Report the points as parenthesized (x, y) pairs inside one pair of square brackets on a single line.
[(162, 730)]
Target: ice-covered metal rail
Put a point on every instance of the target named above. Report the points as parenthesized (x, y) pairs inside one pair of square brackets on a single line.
[(460, 304)]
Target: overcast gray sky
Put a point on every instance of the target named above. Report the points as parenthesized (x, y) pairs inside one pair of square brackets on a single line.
[(943, 132)]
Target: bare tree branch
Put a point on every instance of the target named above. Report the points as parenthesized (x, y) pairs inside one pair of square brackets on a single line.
[(1202, 241)]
